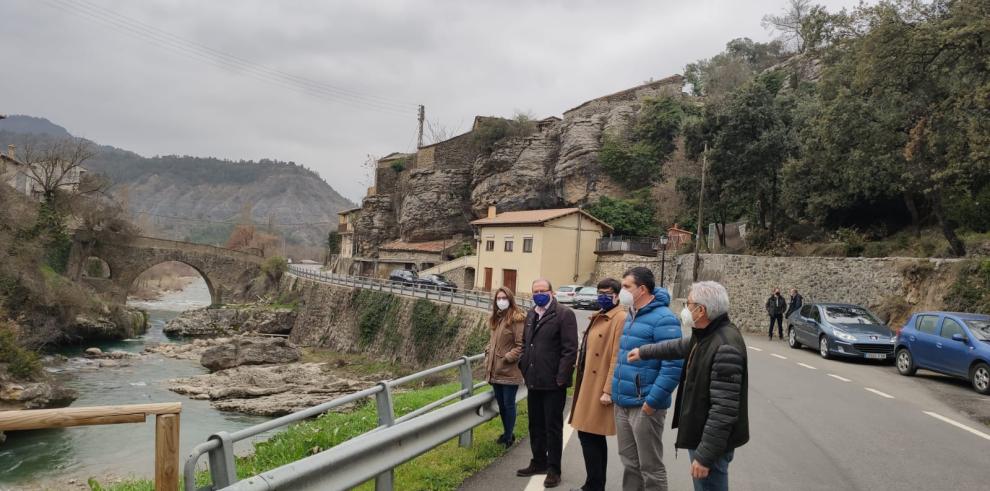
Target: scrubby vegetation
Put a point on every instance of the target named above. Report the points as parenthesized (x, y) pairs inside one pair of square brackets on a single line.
[(491, 130)]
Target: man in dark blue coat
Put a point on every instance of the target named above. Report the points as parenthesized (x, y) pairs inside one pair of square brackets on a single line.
[(641, 390)]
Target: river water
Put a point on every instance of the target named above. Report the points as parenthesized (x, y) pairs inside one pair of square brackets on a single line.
[(45, 457)]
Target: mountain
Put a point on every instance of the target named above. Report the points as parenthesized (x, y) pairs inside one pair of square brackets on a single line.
[(200, 199)]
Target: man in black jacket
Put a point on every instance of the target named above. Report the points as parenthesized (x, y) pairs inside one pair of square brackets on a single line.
[(550, 344), (776, 306), (711, 407), (797, 301)]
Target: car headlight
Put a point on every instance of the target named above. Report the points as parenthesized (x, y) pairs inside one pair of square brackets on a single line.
[(893, 339), (843, 335)]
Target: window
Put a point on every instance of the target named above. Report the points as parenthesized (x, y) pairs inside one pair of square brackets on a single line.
[(950, 327), (489, 245), (806, 311), (980, 328), (508, 246), (850, 315), (528, 244), (927, 323)]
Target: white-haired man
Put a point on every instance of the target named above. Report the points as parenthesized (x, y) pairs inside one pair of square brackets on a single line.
[(711, 408)]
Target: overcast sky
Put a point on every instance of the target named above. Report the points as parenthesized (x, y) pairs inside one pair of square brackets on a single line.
[(325, 83)]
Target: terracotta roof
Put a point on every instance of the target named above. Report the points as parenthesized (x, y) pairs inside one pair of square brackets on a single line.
[(534, 216), (676, 229), (430, 246)]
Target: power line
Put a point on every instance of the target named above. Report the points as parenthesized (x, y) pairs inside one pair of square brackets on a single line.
[(199, 52)]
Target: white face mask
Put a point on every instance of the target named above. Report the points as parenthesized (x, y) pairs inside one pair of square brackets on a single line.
[(626, 298), (502, 303), (687, 319)]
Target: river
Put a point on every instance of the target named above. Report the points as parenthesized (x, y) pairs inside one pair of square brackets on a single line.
[(44, 457)]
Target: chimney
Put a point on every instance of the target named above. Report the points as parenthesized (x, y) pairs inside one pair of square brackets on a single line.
[(10, 152), (491, 212)]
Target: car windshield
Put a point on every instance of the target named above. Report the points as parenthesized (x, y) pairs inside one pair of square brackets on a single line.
[(588, 290), (849, 315), (980, 328)]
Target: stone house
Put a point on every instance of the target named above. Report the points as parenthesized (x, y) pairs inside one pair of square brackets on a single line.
[(517, 247)]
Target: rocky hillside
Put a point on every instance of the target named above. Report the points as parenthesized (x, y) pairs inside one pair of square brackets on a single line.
[(200, 199)]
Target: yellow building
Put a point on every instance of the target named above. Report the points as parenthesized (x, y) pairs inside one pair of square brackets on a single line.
[(517, 247)]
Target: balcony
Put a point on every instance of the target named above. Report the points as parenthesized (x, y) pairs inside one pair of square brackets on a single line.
[(644, 246)]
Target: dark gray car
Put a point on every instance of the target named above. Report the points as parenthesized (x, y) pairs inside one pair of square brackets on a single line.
[(840, 330)]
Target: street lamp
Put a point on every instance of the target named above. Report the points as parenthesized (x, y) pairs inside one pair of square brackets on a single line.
[(663, 257)]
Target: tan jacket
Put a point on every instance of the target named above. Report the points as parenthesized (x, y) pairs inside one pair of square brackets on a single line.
[(596, 365), (504, 349)]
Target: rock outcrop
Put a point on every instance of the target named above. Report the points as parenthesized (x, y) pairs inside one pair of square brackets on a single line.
[(43, 393), (210, 322), (249, 351)]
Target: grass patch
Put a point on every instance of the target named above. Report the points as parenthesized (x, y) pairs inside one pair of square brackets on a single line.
[(354, 364), (445, 467)]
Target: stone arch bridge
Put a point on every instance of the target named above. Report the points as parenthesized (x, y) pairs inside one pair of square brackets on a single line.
[(228, 273)]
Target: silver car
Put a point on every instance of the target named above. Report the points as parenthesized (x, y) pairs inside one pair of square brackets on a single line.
[(566, 293), (586, 298)]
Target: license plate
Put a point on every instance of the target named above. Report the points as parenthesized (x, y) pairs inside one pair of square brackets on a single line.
[(878, 356)]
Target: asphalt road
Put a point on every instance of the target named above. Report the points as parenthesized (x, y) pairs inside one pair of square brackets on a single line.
[(820, 425)]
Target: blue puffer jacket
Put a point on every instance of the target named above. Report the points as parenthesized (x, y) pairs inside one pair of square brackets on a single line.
[(650, 381)]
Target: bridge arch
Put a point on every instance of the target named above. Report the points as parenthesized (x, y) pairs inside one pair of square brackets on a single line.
[(135, 284)]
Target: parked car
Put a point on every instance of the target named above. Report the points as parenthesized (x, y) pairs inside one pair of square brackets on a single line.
[(586, 298), (566, 293), (404, 276), (840, 330), (946, 342), (437, 282)]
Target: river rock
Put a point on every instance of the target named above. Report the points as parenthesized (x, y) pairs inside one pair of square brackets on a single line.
[(213, 322), (248, 351), (272, 390), (93, 353), (40, 394)]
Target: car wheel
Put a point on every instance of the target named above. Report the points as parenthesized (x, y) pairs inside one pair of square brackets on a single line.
[(823, 347), (905, 362), (792, 338), (980, 376)]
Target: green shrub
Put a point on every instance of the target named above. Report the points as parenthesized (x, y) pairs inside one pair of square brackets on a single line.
[(274, 267), (21, 362), (398, 165), (490, 130), (971, 290), (478, 339), (375, 310), (432, 327), (630, 217)]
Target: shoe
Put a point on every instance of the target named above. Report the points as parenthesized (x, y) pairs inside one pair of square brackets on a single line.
[(532, 470), (552, 480), (508, 441), (501, 440)]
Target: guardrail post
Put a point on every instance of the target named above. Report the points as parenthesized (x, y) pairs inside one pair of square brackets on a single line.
[(467, 385), (223, 472), (386, 417)]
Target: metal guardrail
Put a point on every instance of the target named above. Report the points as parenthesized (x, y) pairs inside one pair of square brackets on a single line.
[(636, 245), (440, 294), (371, 455)]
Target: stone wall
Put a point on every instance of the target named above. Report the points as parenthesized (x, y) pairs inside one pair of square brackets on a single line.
[(888, 286), (332, 316), (613, 265)]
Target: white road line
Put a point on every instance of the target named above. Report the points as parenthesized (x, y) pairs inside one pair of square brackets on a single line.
[(958, 425), (754, 348), (839, 378), (536, 482), (778, 356), (881, 394), (805, 365)]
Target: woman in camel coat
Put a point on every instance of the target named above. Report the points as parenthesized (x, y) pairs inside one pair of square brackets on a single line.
[(502, 358), (591, 410)]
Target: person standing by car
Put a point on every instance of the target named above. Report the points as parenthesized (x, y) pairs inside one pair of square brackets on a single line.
[(711, 412), (776, 306), (642, 390), (797, 301), (549, 351), (591, 410), (505, 347)]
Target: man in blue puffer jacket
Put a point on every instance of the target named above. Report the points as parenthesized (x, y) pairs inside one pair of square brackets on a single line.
[(641, 390)]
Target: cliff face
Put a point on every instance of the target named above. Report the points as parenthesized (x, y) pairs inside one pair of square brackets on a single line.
[(444, 186)]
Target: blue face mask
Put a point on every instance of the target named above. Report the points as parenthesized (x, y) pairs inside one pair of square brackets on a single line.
[(605, 301), (541, 299)]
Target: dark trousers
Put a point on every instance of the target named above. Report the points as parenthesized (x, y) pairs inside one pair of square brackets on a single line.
[(546, 427), (505, 396), (779, 319), (595, 460)]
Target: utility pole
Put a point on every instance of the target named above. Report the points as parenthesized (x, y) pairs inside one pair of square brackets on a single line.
[(701, 201), (422, 118)]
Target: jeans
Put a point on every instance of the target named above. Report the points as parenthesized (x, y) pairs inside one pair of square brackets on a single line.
[(595, 451), (641, 448), (779, 319), (505, 396), (718, 474), (546, 427)]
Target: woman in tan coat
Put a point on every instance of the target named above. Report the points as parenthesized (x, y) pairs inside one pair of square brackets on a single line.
[(591, 410), (502, 358)]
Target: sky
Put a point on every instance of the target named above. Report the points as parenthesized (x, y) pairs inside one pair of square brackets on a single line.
[(327, 83)]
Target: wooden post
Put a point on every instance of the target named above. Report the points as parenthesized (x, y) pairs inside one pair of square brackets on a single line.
[(167, 452)]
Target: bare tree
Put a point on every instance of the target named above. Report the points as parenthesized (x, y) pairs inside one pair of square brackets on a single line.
[(437, 132), (370, 165), (790, 24), (58, 164)]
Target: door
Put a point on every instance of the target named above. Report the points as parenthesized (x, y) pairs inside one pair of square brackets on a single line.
[(801, 325), (488, 279), (509, 279), (952, 356), (923, 345)]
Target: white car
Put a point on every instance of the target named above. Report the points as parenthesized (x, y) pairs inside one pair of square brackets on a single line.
[(566, 293)]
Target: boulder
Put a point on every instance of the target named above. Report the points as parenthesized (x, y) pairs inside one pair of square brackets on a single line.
[(93, 353), (206, 323), (248, 351), (43, 394)]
